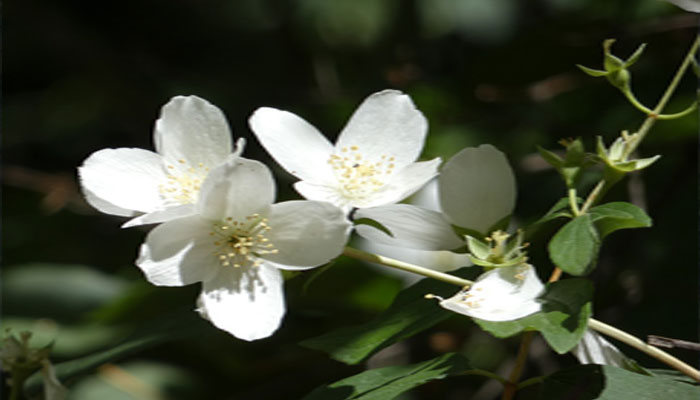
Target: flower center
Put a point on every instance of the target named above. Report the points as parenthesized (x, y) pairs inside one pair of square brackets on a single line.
[(359, 177), (240, 243), (183, 183)]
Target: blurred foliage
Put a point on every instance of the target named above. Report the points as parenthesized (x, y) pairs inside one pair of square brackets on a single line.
[(83, 76)]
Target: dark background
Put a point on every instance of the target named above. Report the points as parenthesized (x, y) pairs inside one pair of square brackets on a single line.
[(82, 76)]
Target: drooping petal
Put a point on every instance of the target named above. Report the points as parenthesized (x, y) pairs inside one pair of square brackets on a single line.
[(178, 253), (502, 294), (594, 349), (402, 184), (128, 179), (294, 143), (411, 226), (306, 233), (438, 260), (477, 188), (245, 302), (238, 188), (156, 217), (192, 133), (386, 123)]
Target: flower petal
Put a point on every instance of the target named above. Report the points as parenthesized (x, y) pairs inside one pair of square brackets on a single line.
[(306, 233), (245, 302), (688, 5), (386, 123), (128, 179), (157, 217), (323, 192), (176, 253), (105, 206), (438, 260), (402, 184), (593, 349), (236, 189), (502, 294), (295, 144), (477, 188), (411, 226), (191, 131), (427, 196)]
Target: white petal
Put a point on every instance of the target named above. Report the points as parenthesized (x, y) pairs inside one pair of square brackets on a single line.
[(306, 233), (477, 188), (402, 184), (386, 123), (194, 131), (177, 253), (411, 226), (238, 188), (323, 192), (245, 302), (502, 294), (295, 144), (688, 5), (157, 217), (128, 179), (593, 349), (105, 206), (427, 196), (438, 260)]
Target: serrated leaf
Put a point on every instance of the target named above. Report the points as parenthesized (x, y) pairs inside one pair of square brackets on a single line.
[(611, 217), (565, 312), (410, 314), (170, 327), (388, 382), (574, 247), (604, 382)]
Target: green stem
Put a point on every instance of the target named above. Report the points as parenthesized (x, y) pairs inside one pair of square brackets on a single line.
[(680, 114), (512, 386), (653, 116), (593, 196), (389, 262), (531, 381), (639, 106), (573, 202), (592, 323), (643, 347), (487, 374)]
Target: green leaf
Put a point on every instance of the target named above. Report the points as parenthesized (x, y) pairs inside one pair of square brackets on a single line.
[(389, 382), (565, 312), (478, 248), (409, 314), (575, 247), (635, 56), (170, 327), (558, 210), (604, 382), (614, 216)]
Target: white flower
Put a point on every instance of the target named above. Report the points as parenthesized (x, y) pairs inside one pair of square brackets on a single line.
[(236, 245), (191, 138), (476, 190), (372, 163), (501, 294)]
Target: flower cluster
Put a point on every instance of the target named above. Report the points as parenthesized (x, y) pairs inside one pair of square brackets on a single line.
[(219, 224)]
